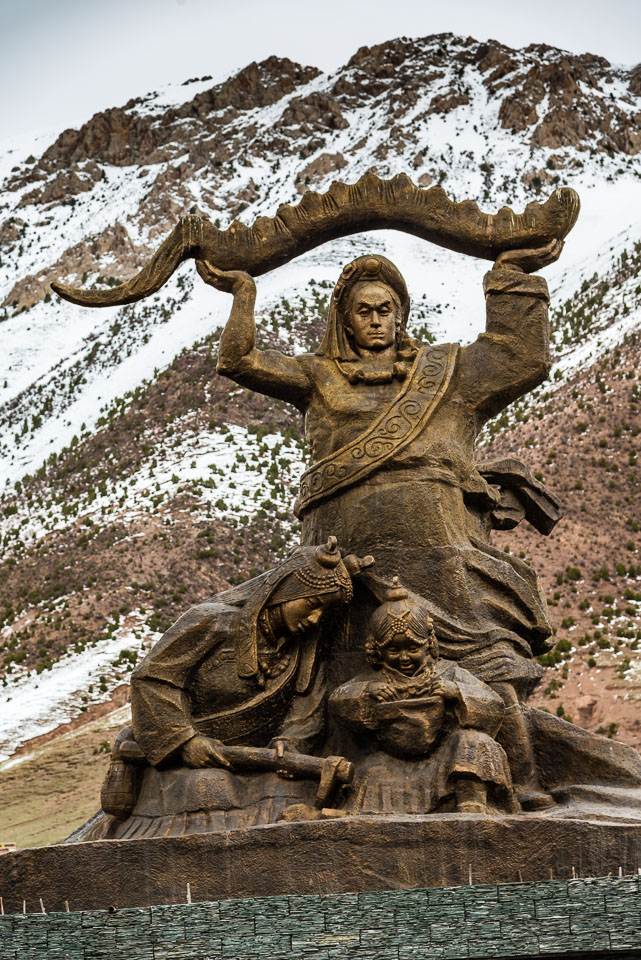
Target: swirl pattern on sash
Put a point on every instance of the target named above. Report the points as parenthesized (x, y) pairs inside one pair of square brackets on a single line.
[(394, 429)]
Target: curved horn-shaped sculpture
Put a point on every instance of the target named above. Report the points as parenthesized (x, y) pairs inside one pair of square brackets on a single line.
[(370, 204)]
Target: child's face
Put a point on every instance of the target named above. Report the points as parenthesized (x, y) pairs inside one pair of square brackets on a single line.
[(406, 653)]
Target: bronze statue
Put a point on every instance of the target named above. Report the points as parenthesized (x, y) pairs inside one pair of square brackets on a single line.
[(418, 706), (426, 684), (243, 670), (391, 424)]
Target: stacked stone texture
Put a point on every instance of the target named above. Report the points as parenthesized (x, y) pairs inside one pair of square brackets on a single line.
[(594, 917)]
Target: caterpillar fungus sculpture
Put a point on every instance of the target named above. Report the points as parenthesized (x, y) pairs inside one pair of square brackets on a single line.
[(369, 204)]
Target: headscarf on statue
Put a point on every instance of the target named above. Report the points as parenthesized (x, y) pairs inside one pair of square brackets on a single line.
[(308, 571), (336, 345)]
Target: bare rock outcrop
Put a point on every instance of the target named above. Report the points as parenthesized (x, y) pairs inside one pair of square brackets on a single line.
[(635, 81), (65, 185), (11, 230), (313, 113), (565, 98), (444, 102), (124, 256), (257, 85), (318, 169), (125, 136)]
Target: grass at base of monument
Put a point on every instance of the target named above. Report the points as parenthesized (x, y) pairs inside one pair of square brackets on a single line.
[(50, 792)]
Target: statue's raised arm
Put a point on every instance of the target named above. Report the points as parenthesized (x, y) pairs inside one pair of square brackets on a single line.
[(512, 355), (266, 371)]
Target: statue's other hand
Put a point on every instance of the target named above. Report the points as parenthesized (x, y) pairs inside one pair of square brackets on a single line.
[(204, 752), (445, 689), (229, 281), (382, 691), (529, 261)]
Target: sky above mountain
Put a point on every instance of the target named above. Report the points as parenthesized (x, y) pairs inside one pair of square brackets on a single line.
[(61, 62)]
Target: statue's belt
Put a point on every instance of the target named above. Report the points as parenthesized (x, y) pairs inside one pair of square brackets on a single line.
[(396, 427)]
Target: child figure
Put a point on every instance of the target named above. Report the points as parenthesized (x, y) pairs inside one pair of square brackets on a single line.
[(433, 716)]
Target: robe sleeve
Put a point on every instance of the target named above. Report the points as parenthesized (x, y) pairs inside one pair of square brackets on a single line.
[(477, 706), (513, 354), (160, 708), (265, 371), (272, 373)]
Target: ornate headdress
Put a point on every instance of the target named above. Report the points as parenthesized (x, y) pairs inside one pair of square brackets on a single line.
[(399, 616), (370, 268), (327, 572), (307, 572)]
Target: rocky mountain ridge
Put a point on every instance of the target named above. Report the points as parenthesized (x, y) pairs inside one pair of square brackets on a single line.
[(553, 99), (137, 482)]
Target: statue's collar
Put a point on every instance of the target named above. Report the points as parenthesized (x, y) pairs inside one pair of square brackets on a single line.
[(416, 685), (370, 372)]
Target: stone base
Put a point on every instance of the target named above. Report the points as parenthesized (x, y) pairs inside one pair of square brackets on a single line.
[(579, 919), (321, 857), (564, 919)]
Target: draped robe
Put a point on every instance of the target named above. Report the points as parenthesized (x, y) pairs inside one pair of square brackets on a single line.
[(422, 512), (191, 681)]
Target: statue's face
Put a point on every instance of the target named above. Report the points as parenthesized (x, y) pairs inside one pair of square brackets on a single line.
[(406, 653), (301, 614), (372, 316)]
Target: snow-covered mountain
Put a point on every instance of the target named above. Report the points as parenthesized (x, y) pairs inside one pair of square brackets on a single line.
[(134, 480)]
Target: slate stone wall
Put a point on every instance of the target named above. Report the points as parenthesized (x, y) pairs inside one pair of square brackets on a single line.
[(588, 918)]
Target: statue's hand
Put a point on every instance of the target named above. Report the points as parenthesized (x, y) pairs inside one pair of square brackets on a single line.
[(229, 281), (382, 691), (204, 752), (445, 689), (529, 261)]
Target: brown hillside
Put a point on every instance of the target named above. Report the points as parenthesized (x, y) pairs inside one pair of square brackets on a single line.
[(585, 448)]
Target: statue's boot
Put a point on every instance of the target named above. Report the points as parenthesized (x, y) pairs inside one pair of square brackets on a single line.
[(471, 795)]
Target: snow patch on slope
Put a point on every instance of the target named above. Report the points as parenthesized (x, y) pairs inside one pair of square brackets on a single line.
[(35, 704), (224, 468)]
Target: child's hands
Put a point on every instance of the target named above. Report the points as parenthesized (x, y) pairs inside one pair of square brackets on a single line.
[(444, 688), (380, 691)]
